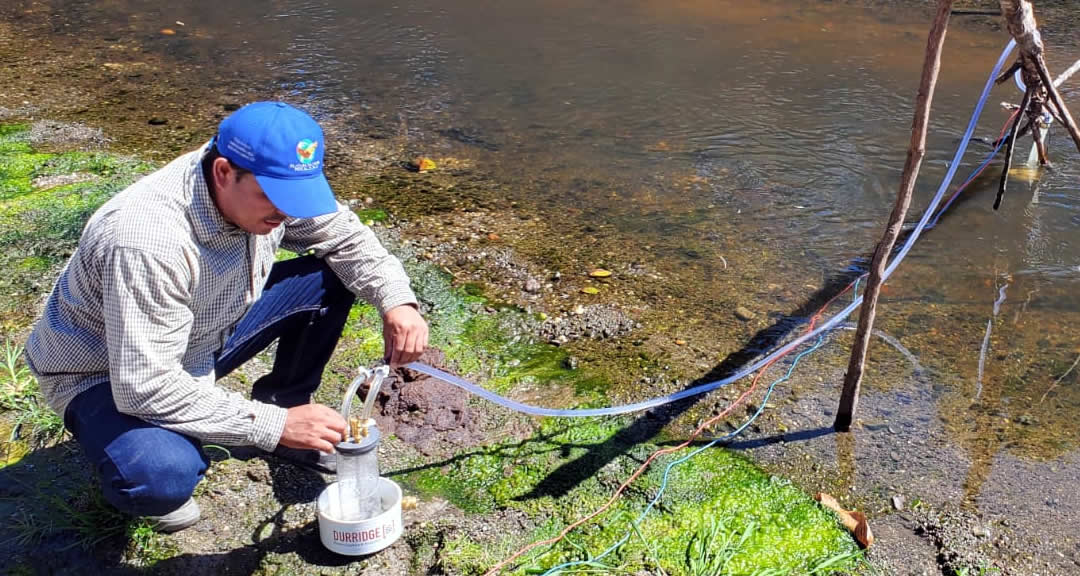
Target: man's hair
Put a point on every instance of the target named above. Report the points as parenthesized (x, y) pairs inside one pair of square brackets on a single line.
[(208, 166)]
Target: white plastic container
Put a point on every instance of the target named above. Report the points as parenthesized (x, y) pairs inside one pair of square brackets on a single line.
[(362, 536)]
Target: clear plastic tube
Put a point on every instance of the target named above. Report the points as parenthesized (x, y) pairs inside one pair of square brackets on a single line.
[(377, 377), (828, 325)]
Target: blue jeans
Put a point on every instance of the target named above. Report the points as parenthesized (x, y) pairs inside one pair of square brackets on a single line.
[(146, 470)]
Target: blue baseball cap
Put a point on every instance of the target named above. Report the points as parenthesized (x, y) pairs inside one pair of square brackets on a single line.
[(283, 147)]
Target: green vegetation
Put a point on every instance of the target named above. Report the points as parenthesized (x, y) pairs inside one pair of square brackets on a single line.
[(146, 547), (45, 200), (83, 513), (34, 424), (719, 514)]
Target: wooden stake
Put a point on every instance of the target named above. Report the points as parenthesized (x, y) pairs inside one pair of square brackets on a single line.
[(1055, 97), (849, 399), (1010, 145)]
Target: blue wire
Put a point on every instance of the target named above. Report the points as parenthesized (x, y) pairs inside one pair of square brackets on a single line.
[(667, 471)]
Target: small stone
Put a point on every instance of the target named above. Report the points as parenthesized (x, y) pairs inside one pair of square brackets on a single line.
[(981, 531), (158, 121), (893, 430), (532, 285), (895, 456), (743, 313), (898, 502), (571, 362)]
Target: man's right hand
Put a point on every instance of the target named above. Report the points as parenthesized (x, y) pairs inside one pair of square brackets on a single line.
[(312, 426)]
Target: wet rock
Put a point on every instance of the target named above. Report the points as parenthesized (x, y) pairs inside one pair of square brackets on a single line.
[(157, 121), (744, 314), (52, 181), (597, 322), (65, 135)]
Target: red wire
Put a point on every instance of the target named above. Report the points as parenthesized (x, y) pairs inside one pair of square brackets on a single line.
[(972, 178)]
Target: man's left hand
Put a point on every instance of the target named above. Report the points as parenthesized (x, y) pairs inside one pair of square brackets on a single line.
[(405, 335)]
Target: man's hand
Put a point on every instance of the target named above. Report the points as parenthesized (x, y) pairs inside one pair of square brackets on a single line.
[(312, 426), (405, 335)]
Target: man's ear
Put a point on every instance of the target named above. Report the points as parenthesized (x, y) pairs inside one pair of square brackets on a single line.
[(222, 172)]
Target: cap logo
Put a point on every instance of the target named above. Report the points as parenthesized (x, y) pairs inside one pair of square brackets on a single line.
[(305, 151)]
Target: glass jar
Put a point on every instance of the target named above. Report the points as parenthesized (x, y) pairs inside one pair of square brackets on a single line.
[(358, 477)]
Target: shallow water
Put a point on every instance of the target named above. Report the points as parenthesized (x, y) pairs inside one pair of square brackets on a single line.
[(770, 135)]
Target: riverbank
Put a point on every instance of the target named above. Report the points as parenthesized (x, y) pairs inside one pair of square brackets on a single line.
[(463, 238), (481, 473)]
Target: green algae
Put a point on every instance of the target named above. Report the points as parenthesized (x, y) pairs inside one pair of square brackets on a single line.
[(370, 216), (40, 225), (779, 526)]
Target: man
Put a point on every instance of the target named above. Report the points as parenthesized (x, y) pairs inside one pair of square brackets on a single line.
[(174, 285)]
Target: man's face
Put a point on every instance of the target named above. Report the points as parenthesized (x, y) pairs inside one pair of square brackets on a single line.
[(242, 201)]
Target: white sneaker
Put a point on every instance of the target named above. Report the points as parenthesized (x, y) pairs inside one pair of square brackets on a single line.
[(178, 519)]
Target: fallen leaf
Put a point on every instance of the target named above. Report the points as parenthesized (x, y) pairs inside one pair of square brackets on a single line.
[(854, 521), (600, 273), (681, 342), (168, 31), (425, 164), (591, 290)]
